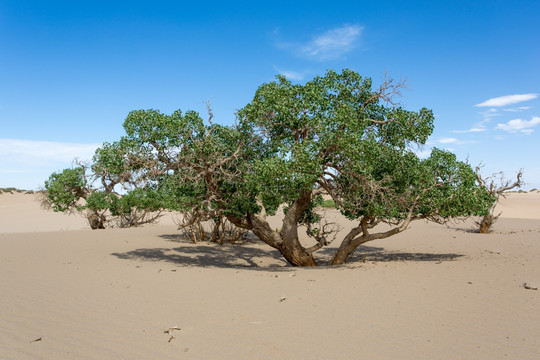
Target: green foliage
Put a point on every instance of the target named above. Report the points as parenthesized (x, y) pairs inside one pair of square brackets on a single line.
[(310, 215), (98, 201), (292, 142), (137, 199), (334, 132), (116, 167), (329, 204), (321, 126), (453, 190), (66, 188)]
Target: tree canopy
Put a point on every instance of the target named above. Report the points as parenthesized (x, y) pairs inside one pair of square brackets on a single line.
[(95, 190), (334, 136)]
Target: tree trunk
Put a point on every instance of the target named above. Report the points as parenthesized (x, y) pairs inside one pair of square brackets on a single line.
[(485, 224), (352, 240), (347, 246), (286, 241), (296, 255), (342, 254), (95, 221), (290, 246)]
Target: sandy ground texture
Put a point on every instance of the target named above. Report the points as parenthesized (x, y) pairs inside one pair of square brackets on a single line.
[(432, 292)]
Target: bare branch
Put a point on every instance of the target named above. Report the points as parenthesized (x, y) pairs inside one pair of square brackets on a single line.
[(388, 90), (496, 185)]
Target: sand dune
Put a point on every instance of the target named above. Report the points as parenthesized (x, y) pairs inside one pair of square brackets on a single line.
[(431, 292)]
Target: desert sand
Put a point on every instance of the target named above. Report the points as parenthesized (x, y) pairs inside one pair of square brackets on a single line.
[(432, 292)]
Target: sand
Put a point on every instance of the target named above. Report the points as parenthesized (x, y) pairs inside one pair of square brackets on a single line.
[(432, 292)]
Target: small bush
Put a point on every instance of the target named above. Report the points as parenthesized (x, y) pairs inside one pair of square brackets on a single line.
[(10, 190)]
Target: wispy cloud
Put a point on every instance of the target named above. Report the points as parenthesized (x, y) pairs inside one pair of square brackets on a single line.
[(518, 109), (30, 151), (519, 125), (453, 141), (330, 45), (486, 115), (471, 130), (507, 100), (27, 163), (489, 113), (291, 75), (334, 43), (448, 140)]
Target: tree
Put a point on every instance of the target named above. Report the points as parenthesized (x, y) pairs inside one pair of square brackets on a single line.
[(496, 185), (93, 190), (292, 144), (64, 192)]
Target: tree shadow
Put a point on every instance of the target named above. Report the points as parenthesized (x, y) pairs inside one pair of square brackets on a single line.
[(242, 254), (379, 254), (248, 238), (469, 230), (245, 254)]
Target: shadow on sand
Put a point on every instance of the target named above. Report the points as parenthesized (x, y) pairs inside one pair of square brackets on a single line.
[(246, 254), (379, 254)]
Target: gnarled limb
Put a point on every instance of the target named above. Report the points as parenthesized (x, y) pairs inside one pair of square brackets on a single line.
[(360, 235), (497, 185)]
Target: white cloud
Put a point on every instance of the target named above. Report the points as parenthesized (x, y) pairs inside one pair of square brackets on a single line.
[(488, 114), (507, 100), (291, 75), (519, 125), (518, 109), (30, 151), (332, 44), (480, 126), (454, 141), (26, 164), (448, 141), (471, 130)]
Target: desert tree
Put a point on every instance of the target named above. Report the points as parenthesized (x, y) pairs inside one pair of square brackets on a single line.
[(496, 184), (106, 191), (292, 144), (66, 191), (195, 166), (124, 191)]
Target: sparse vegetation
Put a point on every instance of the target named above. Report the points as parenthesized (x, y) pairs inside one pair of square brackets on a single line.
[(496, 185), (11, 190)]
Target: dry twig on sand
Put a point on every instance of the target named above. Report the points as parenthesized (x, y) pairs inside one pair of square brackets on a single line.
[(170, 332), (528, 287)]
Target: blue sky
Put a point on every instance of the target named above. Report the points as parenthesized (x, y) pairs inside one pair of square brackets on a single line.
[(71, 71)]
